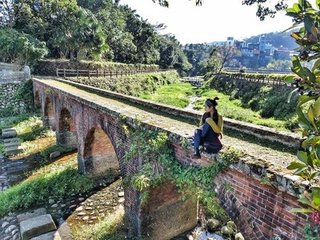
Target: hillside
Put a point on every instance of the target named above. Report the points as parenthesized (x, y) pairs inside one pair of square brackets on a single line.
[(277, 39)]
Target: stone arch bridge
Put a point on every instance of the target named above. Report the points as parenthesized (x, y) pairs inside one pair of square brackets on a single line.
[(91, 119)]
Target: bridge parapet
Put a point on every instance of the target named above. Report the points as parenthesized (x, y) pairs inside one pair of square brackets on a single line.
[(261, 132)]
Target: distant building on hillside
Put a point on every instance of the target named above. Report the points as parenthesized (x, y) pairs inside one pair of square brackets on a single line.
[(282, 54), (257, 53), (230, 41)]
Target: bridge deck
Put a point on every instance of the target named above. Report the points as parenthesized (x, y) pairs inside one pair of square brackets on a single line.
[(276, 160)]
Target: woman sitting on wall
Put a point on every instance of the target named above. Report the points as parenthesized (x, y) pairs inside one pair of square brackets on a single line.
[(210, 131)]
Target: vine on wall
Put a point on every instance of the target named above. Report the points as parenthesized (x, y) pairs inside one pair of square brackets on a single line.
[(152, 149)]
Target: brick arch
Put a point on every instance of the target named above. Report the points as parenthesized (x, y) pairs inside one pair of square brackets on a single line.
[(36, 100), (49, 114), (67, 132), (99, 153)]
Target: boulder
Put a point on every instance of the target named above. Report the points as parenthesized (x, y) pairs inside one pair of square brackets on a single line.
[(227, 231), (11, 140), (54, 154), (31, 214), (36, 226), (9, 134), (213, 224), (239, 236), (13, 150), (46, 236)]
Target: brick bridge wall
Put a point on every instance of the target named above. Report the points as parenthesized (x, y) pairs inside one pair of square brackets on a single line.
[(101, 144), (260, 211)]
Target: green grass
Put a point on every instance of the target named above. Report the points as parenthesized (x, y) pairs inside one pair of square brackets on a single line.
[(69, 160), (232, 109), (176, 94), (133, 85), (31, 128), (9, 122), (28, 126), (34, 136), (48, 181), (34, 192), (46, 153)]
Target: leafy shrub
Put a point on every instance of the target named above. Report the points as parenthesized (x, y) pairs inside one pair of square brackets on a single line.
[(270, 101), (20, 48)]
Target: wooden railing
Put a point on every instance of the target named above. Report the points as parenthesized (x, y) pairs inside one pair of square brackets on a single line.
[(266, 81), (63, 72), (265, 71)]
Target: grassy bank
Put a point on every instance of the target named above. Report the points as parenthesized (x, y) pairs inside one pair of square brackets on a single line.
[(36, 191), (55, 180), (134, 85), (234, 109), (178, 95)]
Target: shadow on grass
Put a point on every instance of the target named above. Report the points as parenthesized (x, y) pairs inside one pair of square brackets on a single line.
[(36, 132), (20, 169), (9, 122)]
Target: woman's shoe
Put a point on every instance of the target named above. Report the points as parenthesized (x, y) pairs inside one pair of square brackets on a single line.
[(196, 154)]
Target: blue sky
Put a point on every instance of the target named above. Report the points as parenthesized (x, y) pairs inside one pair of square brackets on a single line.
[(214, 21)]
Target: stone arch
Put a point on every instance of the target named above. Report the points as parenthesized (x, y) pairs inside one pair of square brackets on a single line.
[(99, 153), (67, 133), (49, 114), (36, 100)]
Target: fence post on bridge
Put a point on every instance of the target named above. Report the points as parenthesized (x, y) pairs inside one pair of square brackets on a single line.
[(89, 74), (57, 72), (64, 73)]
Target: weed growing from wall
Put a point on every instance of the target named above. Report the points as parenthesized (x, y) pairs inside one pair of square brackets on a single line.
[(157, 164)]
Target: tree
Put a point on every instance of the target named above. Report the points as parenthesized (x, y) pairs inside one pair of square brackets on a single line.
[(121, 42), (279, 65), (196, 54), (165, 3), (91, 29), (20, 48), (63, 25), (172, 55), (145, 37), (220, 57), (263, 9), (9, 9)]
